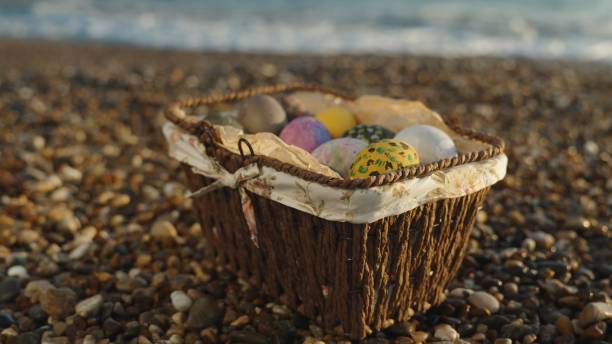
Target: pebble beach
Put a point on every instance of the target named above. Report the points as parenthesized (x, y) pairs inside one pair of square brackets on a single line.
[(98, 243)]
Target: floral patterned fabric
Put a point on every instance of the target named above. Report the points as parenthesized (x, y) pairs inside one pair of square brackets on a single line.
[(335, 204)]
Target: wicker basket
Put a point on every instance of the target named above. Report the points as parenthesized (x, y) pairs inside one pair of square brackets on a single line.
[(353, 276)]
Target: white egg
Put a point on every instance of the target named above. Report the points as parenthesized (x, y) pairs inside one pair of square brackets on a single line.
[(431, 143)]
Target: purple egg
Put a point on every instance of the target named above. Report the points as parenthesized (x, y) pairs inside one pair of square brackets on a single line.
[(339, 153), (306, 133)]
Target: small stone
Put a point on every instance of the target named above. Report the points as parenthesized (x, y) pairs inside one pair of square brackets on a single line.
[(79, 251), (111, 327), (564, 325), (120, 200), (528, 244), (61, 194), (484, 300), (89, 306), (27, 236), (163, 231), (59, 302), (516, 331), (596, 331), (530, 338), (503, 341), (180, 301), (70, 174), (89, 339), (18, 271), (240, 321), (419, 336), (594, 312), (50, 183), (9, 289), (460, 292), (6, 320), (35, 288), (543, 239), (248, 337), (28, 338), (445, 332), (203, 313), (143, 340), (510, 289)]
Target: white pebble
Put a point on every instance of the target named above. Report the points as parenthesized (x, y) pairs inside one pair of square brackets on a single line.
[(446, 332), (80, 251), (18, 271), (180, 301), (484, 300), (89, 306)]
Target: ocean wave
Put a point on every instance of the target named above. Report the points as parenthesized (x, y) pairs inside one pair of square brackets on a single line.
[(545, 29)]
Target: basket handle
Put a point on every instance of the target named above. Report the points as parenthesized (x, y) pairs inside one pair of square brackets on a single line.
[(177, 115)]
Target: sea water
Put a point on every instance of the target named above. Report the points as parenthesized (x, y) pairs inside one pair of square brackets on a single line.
[(568, 29)]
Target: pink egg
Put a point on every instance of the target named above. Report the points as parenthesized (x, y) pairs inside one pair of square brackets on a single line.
[(306, 133)]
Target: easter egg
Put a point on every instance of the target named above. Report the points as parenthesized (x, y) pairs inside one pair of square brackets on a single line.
[(369, 132), (337, 120), (261, 113), (306, 133), (339, 153), (432, 143), (224, 118), (382, 157)]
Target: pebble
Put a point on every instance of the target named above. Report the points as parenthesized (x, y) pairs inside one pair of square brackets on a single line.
[(89, 306), (594, 312), (79, 251), (564, 325), (203, 313), (50, 183), (70, 174), (543, 239), (9, 289), (180, 301), (111, 327), (34, 289), (419, 336), (58, 302), (163, 231), (446, 332), (18, 271), (484, 300), (248, 337), (6, 320), (596, 331), (503, 341)]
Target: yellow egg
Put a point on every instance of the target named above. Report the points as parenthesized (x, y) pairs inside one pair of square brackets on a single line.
[(382, 157), (337, 120)]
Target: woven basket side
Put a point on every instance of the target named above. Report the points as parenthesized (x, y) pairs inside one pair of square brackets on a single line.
[(354, 276)]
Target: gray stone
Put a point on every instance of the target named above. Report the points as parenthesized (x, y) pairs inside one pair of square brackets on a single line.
[(203, 313)]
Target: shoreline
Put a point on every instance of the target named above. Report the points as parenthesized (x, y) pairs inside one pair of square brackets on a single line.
[(104, 47)]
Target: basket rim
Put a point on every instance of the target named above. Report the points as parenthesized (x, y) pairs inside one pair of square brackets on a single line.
[(207, 135)]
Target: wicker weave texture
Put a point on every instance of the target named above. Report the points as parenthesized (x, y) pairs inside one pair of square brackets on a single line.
[(354, 276)]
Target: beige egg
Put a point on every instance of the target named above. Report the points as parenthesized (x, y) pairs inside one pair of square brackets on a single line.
[(261, 113)]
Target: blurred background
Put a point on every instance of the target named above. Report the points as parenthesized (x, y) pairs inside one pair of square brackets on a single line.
[(569, 29)]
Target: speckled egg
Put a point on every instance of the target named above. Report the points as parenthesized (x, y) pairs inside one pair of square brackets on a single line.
[(337, 120), (339, 153), (432, 143), (382, 157), (261, 113), (224, 118), (306, 133), (369, 132)]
